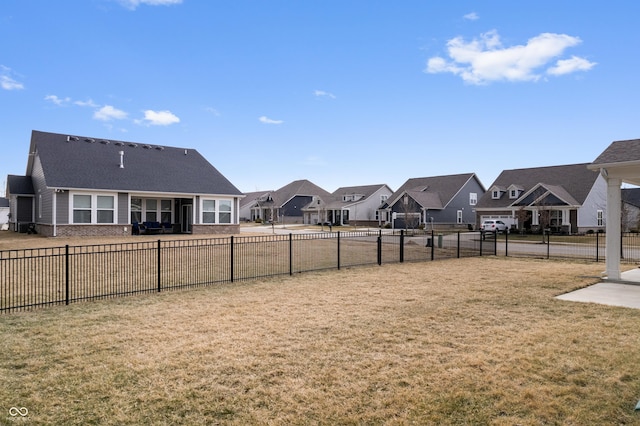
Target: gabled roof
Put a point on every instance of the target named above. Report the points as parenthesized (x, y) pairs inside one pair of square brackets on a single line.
[(253, 197), (78, 162), (336, 199), (544, 194), (433, 192), (301, 187), (20, 185), (571, 183)]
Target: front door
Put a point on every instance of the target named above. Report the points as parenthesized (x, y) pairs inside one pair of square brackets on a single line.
[(187, 218)]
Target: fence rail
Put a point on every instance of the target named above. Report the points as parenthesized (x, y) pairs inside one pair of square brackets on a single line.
[(32, 278)]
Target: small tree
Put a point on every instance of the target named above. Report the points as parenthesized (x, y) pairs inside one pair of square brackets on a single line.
[(522, 216)]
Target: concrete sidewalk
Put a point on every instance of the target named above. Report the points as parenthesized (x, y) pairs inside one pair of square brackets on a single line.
[(610, 293)]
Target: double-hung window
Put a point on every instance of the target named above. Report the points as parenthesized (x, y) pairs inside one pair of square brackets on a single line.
[(224, 214), (105, 208), (208, 211), (81, 208), (151, 205)]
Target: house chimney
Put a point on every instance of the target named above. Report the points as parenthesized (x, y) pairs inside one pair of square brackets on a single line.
[(121, 159)]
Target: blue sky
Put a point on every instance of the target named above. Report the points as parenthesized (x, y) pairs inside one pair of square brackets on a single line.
[(342, 93)]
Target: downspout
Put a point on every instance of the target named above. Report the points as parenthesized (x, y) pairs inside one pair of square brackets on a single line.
[(55, 215)]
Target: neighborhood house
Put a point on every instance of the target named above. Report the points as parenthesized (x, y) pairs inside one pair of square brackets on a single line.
[(567, 199), (443, 200), (77, 185)]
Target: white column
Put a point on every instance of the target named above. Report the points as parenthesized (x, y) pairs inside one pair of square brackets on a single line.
[(614, 201)]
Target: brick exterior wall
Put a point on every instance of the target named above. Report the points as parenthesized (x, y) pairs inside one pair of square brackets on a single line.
[(215, 229), (85, 230), (124, 230)]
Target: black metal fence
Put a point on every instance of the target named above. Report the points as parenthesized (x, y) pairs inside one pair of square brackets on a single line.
[(31, 278)]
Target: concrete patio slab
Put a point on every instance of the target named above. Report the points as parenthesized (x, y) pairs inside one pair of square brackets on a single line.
[(610, 293)]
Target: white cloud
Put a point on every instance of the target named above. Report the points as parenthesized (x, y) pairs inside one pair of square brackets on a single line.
[(56, 100), (567, 66), (108, 113), (159, 118), (88, 103), (7, 82), (323, 94), (471, 16), (133, 4), (267, 120), (484, 60)]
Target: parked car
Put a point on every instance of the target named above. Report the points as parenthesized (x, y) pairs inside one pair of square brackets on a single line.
[(494, 225)]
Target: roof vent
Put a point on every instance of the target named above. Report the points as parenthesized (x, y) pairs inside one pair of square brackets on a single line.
[(119, 143), (89, 140), (160, 148), (72, 138), (121, 159), (105, 142), (146, 146), (133, 145)]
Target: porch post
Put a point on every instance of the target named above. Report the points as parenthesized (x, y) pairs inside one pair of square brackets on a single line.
[(614, 200)]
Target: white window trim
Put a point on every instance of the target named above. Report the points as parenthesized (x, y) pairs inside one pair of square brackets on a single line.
[(473, 198), (217, 211), (94, 207)]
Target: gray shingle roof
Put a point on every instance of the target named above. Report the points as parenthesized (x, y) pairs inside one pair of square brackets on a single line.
[(4, 202), (20, 185), (297, 187), (81, 162), (620, 152), (433, 192), (252, 197), (336, 199), (631, 196), (576, 180)]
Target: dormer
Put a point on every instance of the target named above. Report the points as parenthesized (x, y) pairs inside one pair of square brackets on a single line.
[(497, 192), (352, 197), (515, 191)]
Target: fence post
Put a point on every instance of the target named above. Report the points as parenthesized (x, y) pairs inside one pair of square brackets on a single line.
[(66, 274), (506, 243), (482, 233), (401, 245), (495, 242), (432, 245), (548, 242), (458, 247), (231, 258), (290, 253), (597, 247), (380, 247), (159, 285), (338, 249)]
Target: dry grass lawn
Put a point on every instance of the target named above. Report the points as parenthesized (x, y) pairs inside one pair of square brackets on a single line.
[(468, 341)]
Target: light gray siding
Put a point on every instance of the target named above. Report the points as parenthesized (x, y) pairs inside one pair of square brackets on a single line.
[(123, 208)]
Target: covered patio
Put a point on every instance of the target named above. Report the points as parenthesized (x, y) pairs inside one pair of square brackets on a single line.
[(618, 164)]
